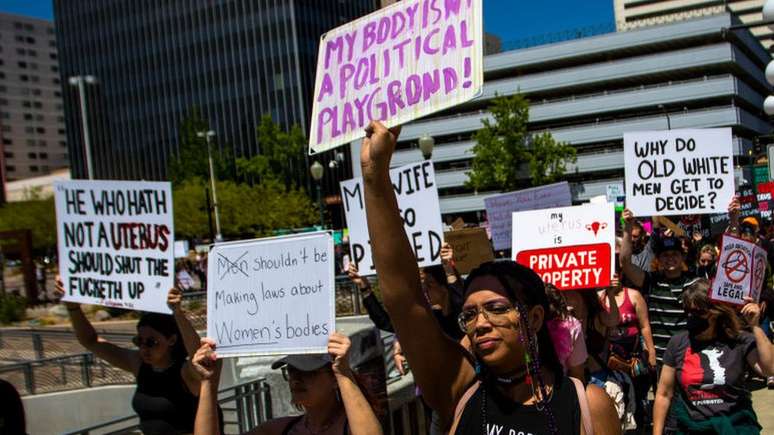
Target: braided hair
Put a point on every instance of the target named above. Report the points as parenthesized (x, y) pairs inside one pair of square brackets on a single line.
[(525, 290)]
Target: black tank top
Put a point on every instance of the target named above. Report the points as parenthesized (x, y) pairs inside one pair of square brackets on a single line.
[(163, 402), (504, 417)]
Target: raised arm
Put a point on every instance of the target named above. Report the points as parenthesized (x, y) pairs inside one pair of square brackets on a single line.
[(439, 365), (632, 271), (373, 306), (189, 336), (733, 216), (207, 365), (762, 359), (361, 417), (123, 358)]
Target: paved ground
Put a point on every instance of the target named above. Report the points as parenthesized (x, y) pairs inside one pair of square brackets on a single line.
[(762, 401)]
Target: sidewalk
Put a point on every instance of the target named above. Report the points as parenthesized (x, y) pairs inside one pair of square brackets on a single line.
[(762, 400)]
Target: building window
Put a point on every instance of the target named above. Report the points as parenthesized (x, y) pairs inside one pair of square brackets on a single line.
[(6, 128), (22, 64), (34, 168), (3, 88), (8, 155), (61, 131), (5, 115), (36, 92), (50, 30), (30, 142), (29, 130), (56, 81), (7, 141), (10, 168), (18, 25), (19, 38), (42, 143), (28, 27), (2, 75), (3, 102), (54, 68), (60, 119), (26, 104), (40, 130), (32, 53), (37, 104), (39, 118), (34, 79), (30, 40), (32, 156), (28, 117), (52, 43), (57, 94), (52, 56), (20, 51), (24, 77), (43, 155), (62, 144)]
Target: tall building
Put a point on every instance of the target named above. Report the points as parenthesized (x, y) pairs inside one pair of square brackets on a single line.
[(154, 61), (32, 124), (588, 92), (631, 14)]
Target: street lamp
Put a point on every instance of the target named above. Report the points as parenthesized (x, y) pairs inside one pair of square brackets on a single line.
[(426, 143), (669, 122), (207, 135), (81, 82), (317, 170)]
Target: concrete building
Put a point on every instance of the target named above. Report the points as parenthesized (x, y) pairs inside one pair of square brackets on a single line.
[(633, 14), (31, 116), (588, 92), (234, 60)]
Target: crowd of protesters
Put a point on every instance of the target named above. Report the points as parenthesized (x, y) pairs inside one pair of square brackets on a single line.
[(498, 351)]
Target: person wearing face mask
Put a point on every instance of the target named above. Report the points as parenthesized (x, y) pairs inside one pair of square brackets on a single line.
[(706, 263), (706, 366), (513, 381), (662, 287)]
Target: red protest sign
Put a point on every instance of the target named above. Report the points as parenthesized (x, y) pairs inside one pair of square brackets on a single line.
[(572, 267)]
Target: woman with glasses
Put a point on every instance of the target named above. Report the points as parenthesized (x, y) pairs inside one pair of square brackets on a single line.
[(707, 365), (167, 385), (513, 381), (324, 386)]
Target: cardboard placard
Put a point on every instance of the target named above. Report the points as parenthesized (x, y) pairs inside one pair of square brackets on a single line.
[(499, 208), (417, 194), (740, 273), (116, 243), (570, 247), (272, 296), (677, 172), (471, 248), (400, 63)]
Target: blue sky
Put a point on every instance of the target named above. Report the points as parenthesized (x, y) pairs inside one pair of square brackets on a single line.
[(510, 19)]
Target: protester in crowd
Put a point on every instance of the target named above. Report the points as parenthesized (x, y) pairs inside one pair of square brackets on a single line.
[(167, 385), (12, 421), (706, 263), (707, 363), (662, 286), (567, 335), (513, 360), (324, 386), (642, 247)]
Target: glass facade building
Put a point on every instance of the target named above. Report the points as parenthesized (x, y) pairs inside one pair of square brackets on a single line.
[(154, 61)]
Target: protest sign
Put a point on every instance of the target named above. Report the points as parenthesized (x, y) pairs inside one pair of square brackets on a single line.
[(116, 242), (471, 248), (499, 208), (676, 172), (272, 296), (181, 248), (741, 271), (400, 63), (748, 207), (417, 193), (765, 200), (570, 247)]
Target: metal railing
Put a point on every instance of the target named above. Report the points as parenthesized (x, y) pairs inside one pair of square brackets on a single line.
[(19, 345), (245, 406)]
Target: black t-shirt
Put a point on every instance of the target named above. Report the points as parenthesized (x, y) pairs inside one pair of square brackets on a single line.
[(489, 409), (710, 375)]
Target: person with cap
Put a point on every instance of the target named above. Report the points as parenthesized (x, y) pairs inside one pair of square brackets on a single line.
[(662, 287), (313, 380)]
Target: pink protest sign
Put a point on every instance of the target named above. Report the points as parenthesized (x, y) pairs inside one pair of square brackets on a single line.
[(403, 62)]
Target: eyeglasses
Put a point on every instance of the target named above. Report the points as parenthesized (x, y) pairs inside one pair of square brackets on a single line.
[(494, 312), (288, 372), (149, 342)]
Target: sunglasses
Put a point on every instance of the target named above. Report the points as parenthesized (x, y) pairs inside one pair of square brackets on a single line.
[(149, 342), (495, 312)]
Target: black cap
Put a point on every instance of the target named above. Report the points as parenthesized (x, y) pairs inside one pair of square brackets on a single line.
[(664, 244)]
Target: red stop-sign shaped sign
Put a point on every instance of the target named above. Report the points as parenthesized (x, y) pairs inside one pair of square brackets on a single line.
[(570, 267)]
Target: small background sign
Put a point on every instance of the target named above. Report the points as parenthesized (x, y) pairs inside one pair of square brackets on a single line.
[(740, 272), (471, 248)]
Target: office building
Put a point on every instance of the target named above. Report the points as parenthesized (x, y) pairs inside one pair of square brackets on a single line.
[(32, 124), (589, 92), (633, 14)]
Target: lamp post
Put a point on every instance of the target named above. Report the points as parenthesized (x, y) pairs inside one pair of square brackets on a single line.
[(426, 143), (80, 82), (669, 122), (207, 135), (317, 170)]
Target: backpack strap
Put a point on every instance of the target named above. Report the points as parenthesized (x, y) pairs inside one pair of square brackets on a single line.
[(583, 401), (461, 405)]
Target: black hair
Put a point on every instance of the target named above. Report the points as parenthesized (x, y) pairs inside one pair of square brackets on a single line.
[(165, 325), (696, 297)]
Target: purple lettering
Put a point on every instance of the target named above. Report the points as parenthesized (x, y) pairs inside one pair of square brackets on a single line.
[(345, 73), (386, 63), (426, 45), (438, 13), (360, 105), (399, 48), (430, 84), (411, 11), (452, 7), (425, 12), (393, 97), (449, 40), (413, 89), (322, 120), (380, 105), (362, 73), (348, 123), (398, 24), (384, 30), (449, 79), (332, 46), (326, 87), (466, 42), (373, 78), (350, 37), (369, 35)]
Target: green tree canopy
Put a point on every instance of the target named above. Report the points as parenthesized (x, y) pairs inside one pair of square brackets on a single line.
[(280, 154), (504, 149), (191, 160), (37, 215)]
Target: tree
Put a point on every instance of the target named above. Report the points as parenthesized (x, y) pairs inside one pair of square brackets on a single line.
[(280, 154), (504, 148), (191, 160), (37, 215)]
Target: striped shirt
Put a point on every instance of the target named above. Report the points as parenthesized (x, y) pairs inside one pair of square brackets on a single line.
[(665, 307)]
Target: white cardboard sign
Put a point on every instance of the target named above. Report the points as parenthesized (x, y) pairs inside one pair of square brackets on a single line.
[(740, 273), (679, 172), (417, 194), (570, 247), (272, 296), (400, 63), (116, 243)]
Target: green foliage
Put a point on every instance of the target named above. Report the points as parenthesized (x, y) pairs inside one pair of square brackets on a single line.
[(280, 157), (12, 308), (191, 160), (36, 215), (504, 147)]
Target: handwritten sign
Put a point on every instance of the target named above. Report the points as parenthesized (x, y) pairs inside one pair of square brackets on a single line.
[(403, 62), (676, 172), (471, 248), (570, 247), (499, 208), (417, 194), (741, 271), (271, 296), (116, 242)]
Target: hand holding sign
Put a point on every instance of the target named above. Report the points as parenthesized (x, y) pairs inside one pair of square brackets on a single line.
[(206, 362), (751, 311)]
